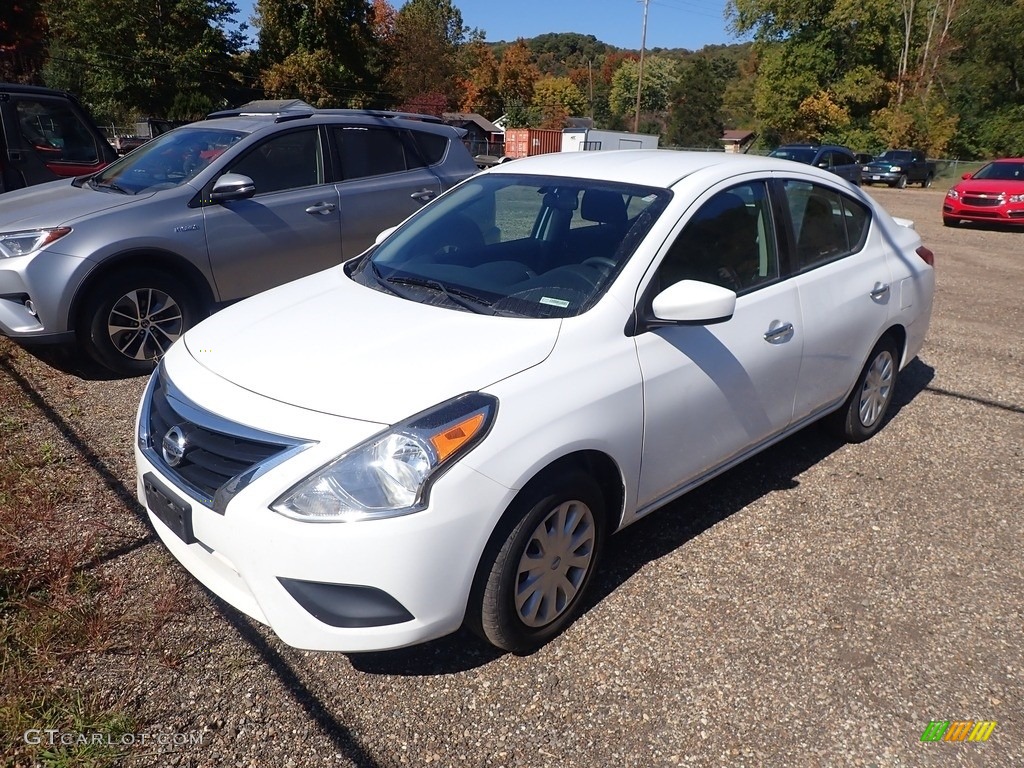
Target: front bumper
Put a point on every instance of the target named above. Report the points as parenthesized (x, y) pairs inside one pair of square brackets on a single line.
[(36, 293), (362, 586), (1004, 214), (880, 177)]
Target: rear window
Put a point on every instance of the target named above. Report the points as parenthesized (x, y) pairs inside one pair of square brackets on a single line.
[(431, 146)]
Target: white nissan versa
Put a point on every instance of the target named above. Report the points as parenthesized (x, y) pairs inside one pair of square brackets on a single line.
[(446, 429)]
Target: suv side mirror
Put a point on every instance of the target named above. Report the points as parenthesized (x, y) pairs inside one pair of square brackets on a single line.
[(232, 186)]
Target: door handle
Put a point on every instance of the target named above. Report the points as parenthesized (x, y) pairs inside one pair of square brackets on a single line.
[(778, 332), (879, 291), (322, 208), (423, 196)]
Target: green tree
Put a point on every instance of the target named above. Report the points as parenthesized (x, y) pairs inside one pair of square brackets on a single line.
[(695, 106), (659, 76), (333, 37), (555, 99), (147, 55)]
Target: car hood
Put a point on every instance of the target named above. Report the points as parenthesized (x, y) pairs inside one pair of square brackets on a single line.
[(990, 186), (328, 344), (56, 203)]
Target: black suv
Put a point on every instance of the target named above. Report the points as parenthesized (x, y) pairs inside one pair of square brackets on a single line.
[(45, 135), (839, 160)]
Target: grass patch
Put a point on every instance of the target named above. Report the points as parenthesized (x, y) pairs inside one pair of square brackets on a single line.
[(51, 604)]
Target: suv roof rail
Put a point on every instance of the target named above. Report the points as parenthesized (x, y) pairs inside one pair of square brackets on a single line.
[(294, 109)]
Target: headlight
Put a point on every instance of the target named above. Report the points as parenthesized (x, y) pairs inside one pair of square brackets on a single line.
[(23, 243), (895, 169), (953, 194), (1015, 199), (391, 473)]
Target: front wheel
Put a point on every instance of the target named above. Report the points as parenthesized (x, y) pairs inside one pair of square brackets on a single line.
[(901, 182), (538, 565), (926, 181), (864, 410), (130, 320)]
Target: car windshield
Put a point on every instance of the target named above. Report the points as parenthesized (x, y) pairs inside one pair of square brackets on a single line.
[(896, 156), (165, 162), (799, 154), (1002, 172), (520, 245)]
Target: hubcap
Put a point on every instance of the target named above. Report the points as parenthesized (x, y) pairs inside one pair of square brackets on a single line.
[(877, 388), (555, 563), (144, 323)]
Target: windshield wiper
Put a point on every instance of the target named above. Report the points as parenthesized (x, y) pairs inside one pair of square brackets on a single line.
[(108, 185), (464, 299)]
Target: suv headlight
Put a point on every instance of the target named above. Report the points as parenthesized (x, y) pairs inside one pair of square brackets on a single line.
[(895, 169), (14, 244), (391, 473)]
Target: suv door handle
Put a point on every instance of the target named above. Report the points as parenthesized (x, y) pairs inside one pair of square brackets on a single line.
[(423, 196), (322, 208), (879, 290)]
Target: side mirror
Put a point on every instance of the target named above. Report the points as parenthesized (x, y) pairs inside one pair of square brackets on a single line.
[(384, 235), (966, 176), (232, 186), (691, 302)]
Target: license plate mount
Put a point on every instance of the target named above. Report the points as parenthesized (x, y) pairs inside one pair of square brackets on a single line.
[(170, 509)]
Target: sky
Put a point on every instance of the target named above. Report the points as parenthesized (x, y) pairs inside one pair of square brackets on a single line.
[(689, 24)]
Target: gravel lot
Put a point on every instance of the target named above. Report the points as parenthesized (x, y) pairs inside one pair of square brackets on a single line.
[(817, 606)]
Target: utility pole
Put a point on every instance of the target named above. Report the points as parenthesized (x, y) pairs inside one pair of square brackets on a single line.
[(640, 74)]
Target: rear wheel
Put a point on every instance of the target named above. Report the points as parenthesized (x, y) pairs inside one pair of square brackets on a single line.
[(535, 570), (129, 321), (864, 410)]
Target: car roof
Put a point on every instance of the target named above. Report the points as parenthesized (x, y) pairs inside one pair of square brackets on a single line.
[(35, 89), (647, 167)]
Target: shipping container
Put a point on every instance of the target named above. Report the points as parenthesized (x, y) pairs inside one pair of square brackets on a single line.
[(592, 139), (524, 142)]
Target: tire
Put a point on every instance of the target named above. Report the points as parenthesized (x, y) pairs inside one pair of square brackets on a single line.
[(520, 614), (926, 181), (901, 182), (864, 410), (130, 320), (949, 221)]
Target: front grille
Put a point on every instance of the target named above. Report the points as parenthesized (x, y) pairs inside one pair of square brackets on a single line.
[(215, 450), (982, 202)]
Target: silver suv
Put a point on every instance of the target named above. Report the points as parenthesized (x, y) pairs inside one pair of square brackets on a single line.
[(126, 259)]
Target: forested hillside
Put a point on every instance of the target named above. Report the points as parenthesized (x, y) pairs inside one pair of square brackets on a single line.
[(943, 75)]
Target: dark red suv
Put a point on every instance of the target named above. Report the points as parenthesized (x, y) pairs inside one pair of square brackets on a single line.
[(46, 134)]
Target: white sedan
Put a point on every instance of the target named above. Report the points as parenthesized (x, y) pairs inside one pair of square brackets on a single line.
[(446, 429)]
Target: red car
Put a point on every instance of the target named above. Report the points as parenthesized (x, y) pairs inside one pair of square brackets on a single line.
[(994, 195)]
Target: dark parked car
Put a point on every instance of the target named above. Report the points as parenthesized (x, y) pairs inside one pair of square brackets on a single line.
[(127, 259), (838, 160), (899, 167), (994, 194), (45, 135)]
